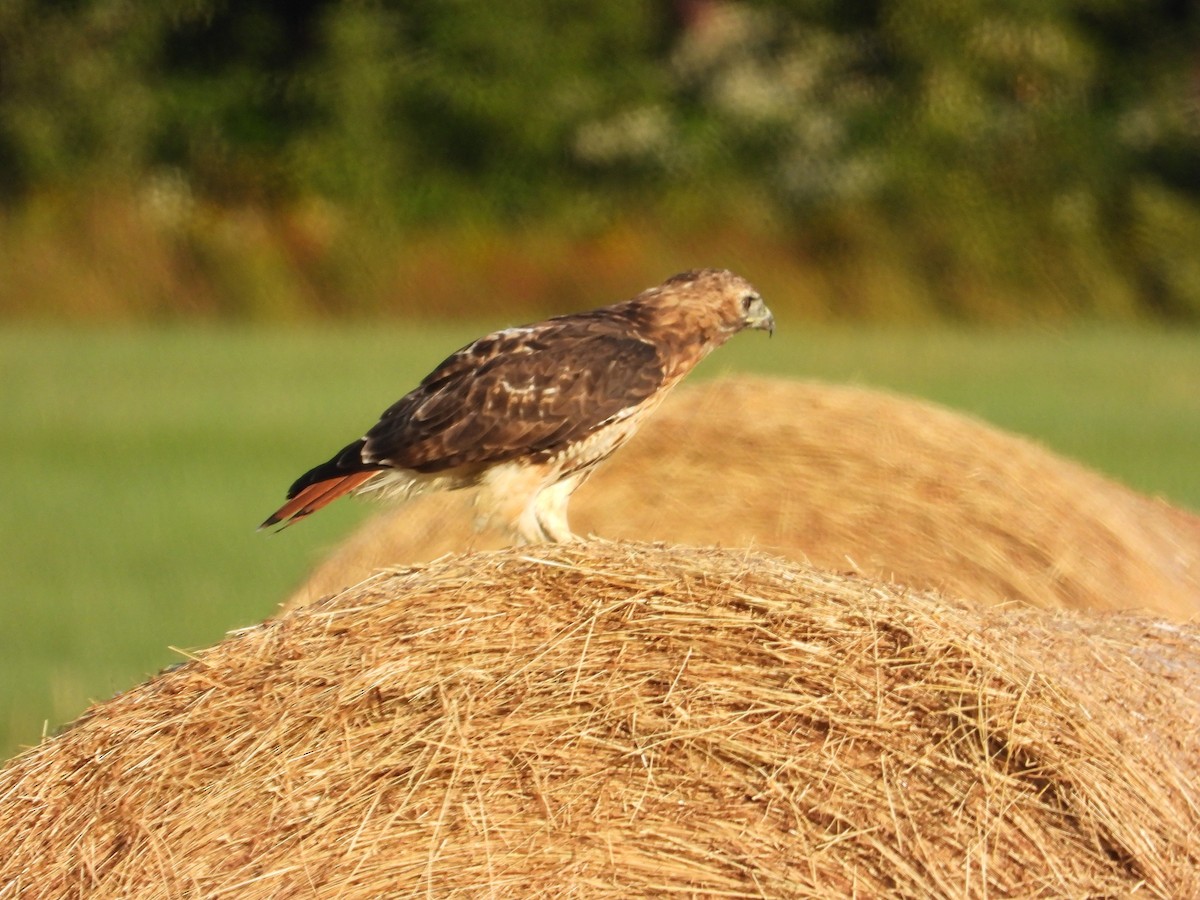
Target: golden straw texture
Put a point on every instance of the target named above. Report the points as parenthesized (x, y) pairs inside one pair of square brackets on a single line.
[(628, 720)]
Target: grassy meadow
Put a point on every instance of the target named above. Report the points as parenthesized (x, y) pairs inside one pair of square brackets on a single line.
[(135, 464)]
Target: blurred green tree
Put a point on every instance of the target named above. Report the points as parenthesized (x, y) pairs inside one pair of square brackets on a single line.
[(1046, 147)]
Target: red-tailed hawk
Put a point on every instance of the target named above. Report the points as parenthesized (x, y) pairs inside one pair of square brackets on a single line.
[(527, 413)]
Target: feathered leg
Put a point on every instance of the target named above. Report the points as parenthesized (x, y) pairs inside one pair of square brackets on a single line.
[(549, 509)]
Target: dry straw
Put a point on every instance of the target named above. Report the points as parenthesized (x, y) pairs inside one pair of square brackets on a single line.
[(848, 478), (628, 720)]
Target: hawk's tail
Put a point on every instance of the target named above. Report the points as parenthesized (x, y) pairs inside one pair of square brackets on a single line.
[(314, 496)]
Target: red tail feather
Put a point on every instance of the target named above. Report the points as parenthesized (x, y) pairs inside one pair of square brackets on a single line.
[(315, 496)]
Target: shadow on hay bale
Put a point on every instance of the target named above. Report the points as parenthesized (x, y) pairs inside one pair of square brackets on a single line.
[(629, 720), (848, 478)]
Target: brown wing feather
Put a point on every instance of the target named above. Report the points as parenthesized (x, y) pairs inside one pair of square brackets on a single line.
[(520, 392), (523, 392)]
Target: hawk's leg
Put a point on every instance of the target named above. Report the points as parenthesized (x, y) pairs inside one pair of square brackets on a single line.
[(545, 519)]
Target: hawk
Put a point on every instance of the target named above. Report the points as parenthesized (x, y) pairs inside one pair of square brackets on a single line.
[(526, 413)]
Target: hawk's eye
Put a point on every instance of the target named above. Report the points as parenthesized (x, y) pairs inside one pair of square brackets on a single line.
[(747, 302)]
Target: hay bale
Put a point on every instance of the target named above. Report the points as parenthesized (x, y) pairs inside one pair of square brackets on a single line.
[(848, 478), (629, 720)]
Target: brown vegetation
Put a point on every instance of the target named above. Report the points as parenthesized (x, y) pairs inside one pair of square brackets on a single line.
[(627, 720), (850, 479), (165, 255)]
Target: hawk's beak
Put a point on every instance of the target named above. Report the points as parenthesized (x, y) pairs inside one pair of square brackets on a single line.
[(761, 319)]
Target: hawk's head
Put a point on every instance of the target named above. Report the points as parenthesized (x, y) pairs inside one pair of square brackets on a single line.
[(720, 295)]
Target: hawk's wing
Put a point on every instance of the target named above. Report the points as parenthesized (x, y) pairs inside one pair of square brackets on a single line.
[(521, 392)]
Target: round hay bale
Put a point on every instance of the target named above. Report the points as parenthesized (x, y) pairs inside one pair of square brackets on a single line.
[(848, 478), (628, 720)]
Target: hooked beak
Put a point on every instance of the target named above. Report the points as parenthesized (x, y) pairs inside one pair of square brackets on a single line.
[(761, 319)]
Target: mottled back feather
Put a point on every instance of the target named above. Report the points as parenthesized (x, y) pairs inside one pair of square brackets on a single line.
[(521, 392)]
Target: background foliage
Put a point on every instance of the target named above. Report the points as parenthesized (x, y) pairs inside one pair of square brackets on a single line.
[(908, 159)]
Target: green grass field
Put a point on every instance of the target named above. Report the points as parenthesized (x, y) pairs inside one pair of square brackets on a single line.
[(136, 464)]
